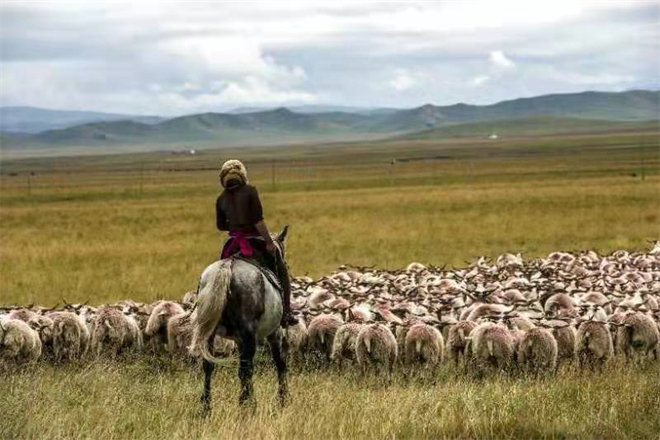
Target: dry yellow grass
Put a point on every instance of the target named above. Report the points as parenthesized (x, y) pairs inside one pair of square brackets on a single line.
[(111, 232), (137, 400), (104, 248)]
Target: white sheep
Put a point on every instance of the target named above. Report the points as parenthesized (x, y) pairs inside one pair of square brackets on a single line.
[(564, 334), (296, 339), (19, 344), (560, 305), (492, 346), (424, 345), (179, 335), (537, 351), (638, 333), (345, 342), (483, 310), (114, 333), (321, 333), (458, 341), (376, 345), (70, 336), (593, 344), (190, 299), (156, 328), (223, 347), (25, 315)]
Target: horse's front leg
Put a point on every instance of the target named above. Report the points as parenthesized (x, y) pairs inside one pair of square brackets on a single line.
[(275, 342), (208, 368), (248, 347)]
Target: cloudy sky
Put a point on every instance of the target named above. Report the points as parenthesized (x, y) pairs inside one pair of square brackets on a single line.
[(170, 58)]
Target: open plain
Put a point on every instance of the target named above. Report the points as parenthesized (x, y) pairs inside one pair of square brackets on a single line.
[(141, 227)]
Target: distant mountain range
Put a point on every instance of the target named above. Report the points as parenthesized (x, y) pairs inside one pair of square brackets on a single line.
[(577, 112), (35, 120), (321, 109), (537, 126)]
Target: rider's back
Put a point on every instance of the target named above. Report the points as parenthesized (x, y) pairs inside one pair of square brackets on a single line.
[(239, 209)]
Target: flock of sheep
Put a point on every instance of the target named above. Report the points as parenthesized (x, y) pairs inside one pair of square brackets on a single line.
[(489, 316)]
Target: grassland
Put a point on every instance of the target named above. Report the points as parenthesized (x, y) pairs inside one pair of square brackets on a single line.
[(139, 400), (142, 227)]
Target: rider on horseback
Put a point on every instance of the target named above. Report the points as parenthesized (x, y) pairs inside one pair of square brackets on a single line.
[(238, 210)]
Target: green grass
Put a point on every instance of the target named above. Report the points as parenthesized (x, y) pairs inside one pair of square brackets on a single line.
[(142, 227)]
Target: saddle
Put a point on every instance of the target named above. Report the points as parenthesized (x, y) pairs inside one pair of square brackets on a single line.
[(263, 261)]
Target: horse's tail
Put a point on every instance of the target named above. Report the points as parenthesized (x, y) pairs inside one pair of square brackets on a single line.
[(211, 301)]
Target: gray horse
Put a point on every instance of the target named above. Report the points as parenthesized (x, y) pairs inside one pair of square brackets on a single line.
[(237, 301)]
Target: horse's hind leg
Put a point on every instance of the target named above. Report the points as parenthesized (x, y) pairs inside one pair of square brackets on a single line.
[(208, 368), (248, 347), (275, 342)]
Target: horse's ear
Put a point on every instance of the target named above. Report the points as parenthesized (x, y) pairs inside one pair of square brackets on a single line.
[(282, 235)]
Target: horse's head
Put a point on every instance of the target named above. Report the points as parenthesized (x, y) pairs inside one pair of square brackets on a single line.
[(280, 240)]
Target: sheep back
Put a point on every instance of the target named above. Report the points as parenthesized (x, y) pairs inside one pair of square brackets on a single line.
[(376, 344), (537, 351), (424, 344)]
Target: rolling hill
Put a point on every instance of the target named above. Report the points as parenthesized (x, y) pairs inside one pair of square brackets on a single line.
[(580, 112), (538, 126), (637, 105)]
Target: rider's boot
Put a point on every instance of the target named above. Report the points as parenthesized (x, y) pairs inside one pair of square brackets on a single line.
[(283, 274)]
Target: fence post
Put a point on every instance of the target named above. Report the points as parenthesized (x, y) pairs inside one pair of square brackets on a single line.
[(641, 157), (272, 174)]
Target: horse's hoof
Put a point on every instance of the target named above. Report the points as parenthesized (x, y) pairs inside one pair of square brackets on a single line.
[(205, 410), (249, 405)]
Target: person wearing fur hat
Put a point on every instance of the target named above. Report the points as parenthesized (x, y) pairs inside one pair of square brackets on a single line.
[(238, 210)]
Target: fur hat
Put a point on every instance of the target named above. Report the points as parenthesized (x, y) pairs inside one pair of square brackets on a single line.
[(233, 170)]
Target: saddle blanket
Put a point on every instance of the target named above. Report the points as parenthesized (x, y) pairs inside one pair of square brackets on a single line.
[(270, 276)]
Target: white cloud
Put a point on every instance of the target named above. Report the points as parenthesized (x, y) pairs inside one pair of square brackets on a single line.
[(402, 81), (253, 90), (498, 59), (479, 81), (177, 57)]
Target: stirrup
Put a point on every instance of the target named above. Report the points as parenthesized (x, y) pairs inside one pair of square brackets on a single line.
[(288, 320)]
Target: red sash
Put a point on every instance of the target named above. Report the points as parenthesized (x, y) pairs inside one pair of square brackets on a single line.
[(239, 241)]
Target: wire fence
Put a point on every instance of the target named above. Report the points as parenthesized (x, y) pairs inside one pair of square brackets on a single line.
[(270, 175), (276, 174)]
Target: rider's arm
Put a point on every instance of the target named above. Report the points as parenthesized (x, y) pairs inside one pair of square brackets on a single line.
[(220, 217), (263, 231), (258, 217), (255, 208)]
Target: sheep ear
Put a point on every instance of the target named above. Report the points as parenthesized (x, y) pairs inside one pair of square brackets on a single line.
[(281, 237)]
